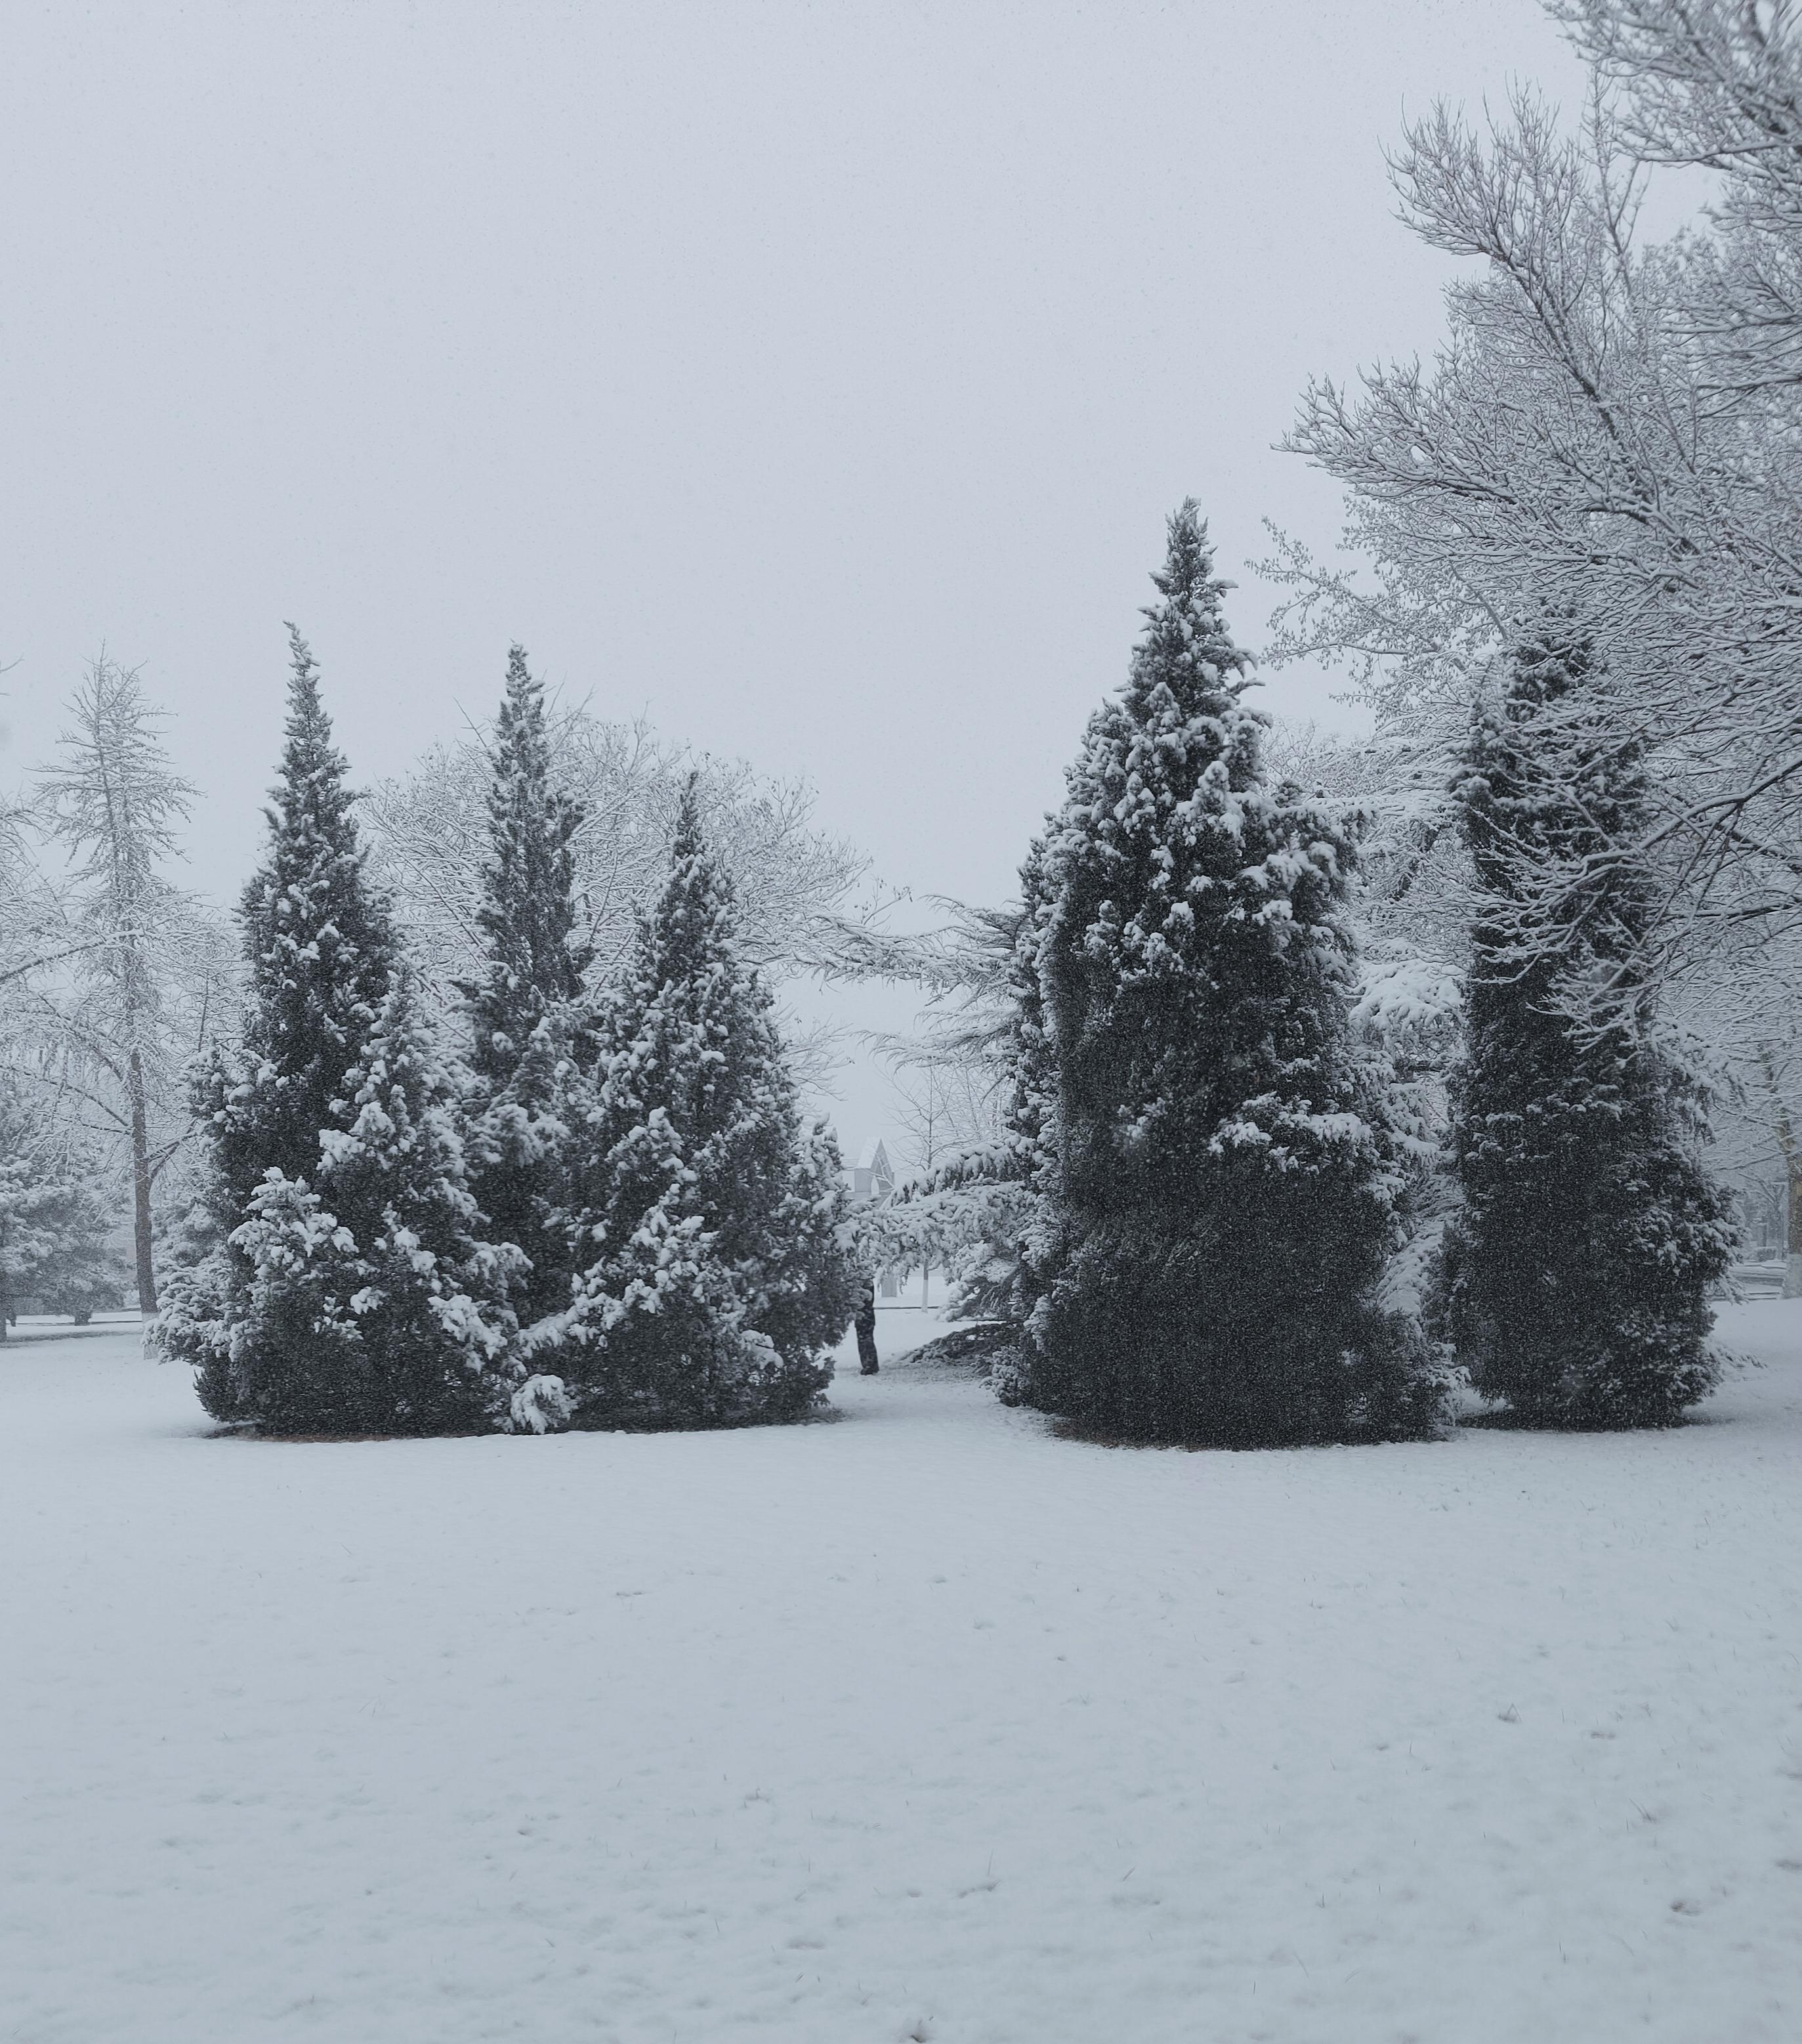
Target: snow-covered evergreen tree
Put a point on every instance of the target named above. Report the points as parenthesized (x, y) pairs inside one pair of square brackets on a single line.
[(713, 1276), (372, 1306), (344, 1291), (54, 1219), (321, 950), (534, 954), (1219, 1188), (1573, 1282), (522, 1010)]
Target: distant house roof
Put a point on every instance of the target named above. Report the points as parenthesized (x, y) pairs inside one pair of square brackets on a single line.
[(872, 1176)]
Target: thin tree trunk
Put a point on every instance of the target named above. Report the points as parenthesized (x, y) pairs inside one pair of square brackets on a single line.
[(1792, 1264), (140, 1186), (1791, 1152)]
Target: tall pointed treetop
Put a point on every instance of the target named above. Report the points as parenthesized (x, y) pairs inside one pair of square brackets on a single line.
[(536, 958), (1183, 893), (318, 937), (1187, 656)]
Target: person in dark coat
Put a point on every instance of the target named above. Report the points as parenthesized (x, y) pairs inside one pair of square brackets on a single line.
[(866, 1324)]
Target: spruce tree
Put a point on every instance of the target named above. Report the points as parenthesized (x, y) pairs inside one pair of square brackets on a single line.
[(1219, 1189), (709, 1233), (55, 1220), (85, 1274), (300, 1316), (1573, 1281), (523, 1009)]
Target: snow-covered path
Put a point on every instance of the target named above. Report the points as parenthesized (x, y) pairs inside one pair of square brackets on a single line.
[(920, 1725)]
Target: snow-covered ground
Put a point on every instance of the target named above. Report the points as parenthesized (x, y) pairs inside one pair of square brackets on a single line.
[(921, 1725)]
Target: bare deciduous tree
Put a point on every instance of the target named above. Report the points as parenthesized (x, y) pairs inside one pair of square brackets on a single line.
[(1585, 446), (797, 887), (809, 906), (109, 1030)]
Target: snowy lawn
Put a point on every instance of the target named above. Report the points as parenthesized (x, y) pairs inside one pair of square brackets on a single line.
[(920, 1725)]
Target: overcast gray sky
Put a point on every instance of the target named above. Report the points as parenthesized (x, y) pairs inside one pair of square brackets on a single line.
[(815, 377)]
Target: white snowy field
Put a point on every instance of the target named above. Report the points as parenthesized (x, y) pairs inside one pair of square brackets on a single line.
[(921, 1725)]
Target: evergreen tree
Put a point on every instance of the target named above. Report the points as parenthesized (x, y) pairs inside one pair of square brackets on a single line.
[(344, 1291), (55, 1220), (1219, 1189), (523, 1009), (1573, 1282), (535, 956), (373, 1307), (711, 1221), (321, 951), (85, 1275)]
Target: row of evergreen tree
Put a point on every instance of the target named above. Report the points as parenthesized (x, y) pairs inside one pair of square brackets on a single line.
[(606, 1211), (1219, 1180)]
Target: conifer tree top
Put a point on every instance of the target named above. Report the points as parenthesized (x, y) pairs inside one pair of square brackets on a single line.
[(1150, 749), (696, 908), (312, 769), (1185, 648), (312, 830), (317, 937), (519, 720), (535, 958), (1168, 764)]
